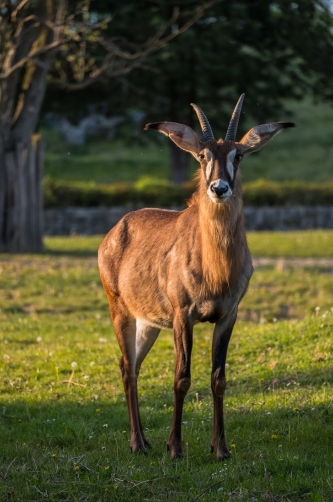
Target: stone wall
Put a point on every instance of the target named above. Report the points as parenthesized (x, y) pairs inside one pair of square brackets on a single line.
[(90, 221), (289, 218)]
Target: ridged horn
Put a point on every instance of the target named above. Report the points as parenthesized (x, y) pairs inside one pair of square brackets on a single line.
[(205, 126), (233, 124)]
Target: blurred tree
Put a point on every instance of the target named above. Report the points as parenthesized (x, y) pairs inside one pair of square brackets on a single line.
[(271, 50), (75, 44)]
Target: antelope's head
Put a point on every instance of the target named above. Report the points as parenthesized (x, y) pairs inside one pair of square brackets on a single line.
[(219, 160)]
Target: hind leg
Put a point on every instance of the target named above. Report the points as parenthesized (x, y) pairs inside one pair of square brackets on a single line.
[(135, 340), (145, 338), (125, 328)]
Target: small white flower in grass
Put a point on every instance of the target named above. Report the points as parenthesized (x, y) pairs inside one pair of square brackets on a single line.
[(103, 448), (268, 413), (39, 339), (105, 426), (86, 377), (74, 365), (91, 363), (102, 339)]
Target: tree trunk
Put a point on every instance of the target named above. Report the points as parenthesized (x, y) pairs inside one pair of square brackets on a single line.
[(179, 164), (21, 198)]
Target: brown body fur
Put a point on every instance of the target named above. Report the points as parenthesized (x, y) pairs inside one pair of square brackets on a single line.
[(157, 261), (163, 269)]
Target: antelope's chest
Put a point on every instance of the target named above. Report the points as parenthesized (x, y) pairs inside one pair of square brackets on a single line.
[(213, 310)]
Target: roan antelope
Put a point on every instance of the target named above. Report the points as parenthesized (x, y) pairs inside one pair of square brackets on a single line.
[(163, 269)]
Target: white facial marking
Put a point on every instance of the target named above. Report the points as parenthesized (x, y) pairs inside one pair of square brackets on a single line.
[(230, 163), (210, 164), (209, 169)]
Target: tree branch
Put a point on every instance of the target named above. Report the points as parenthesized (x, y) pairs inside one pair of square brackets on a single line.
[(80, 43), (30, 57), (134, 59)]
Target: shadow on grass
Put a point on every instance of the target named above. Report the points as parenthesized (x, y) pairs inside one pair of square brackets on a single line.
[(60, 423), (74, 450)]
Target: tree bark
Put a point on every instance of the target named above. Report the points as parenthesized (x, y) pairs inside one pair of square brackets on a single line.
[(21, 199), (179, 164)]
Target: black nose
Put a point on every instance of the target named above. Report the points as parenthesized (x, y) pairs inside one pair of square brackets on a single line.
[(219, 190)]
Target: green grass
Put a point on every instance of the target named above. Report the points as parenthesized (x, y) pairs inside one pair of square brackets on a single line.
[(304, 153), (298, 244), (55, 442)]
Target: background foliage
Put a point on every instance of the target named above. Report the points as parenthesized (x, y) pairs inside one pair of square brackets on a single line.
[(289, 170), (272, 51)]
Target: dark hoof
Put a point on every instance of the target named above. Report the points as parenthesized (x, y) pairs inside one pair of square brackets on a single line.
[(139, 448), (222, 454), (147, 445), (175, 452)]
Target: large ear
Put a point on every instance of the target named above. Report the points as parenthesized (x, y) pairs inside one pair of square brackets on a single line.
[(182, 135), (258, 136)]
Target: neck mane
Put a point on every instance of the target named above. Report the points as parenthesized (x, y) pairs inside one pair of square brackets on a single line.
[(223, 240)]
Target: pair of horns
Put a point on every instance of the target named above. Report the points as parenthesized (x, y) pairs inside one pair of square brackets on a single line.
[(233, 124)]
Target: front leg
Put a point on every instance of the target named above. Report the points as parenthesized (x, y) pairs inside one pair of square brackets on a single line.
[(221, 337), (183, 334)]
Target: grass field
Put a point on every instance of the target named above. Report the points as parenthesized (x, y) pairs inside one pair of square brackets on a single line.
[(304, 153), (297, 244), (63, 418)]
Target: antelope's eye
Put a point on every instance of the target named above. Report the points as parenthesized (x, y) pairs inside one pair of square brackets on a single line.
[(201, 156), (238, 157)]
